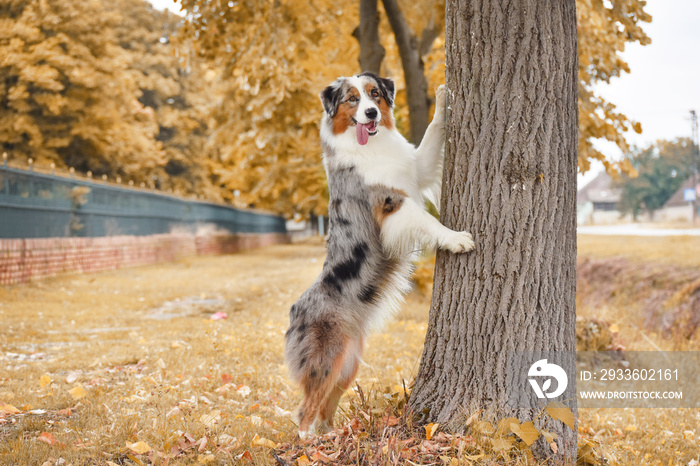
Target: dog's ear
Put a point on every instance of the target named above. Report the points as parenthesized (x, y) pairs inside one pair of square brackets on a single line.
[(331, 97), (387, 89)]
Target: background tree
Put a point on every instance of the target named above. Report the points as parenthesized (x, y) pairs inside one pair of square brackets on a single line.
[(274, 58), (173, 83), (661, 170), (66, 94), (604, 29), (510, 179)]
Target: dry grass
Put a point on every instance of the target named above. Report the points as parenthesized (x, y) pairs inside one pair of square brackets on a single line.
[(155, 368), (683, 251), (642, 436)]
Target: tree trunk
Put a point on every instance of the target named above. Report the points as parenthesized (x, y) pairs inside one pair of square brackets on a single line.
[(510, 179), (413, 70), (367, 34)]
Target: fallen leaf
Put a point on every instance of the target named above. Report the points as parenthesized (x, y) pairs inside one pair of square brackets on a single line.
[(45, 380), (226, 378), (243, 390), (303, 460), (72, 377), (500, 444), (614, 328), (206, 459), (282, 412), (526, 431), (430, 430), (47, 438), (210, 420), (225, 439), (562, 413), (263, 442), (77, 392), (139, 447), (631, 428), (8, 409)]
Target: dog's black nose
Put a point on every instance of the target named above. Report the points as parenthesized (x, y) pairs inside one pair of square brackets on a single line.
[(371, 113)]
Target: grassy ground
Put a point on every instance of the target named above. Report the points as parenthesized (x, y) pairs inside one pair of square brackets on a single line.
[(98, 363), (683, 251), (641, 436), (129, 367)]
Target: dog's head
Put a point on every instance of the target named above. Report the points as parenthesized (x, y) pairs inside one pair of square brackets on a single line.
[(364, 101)]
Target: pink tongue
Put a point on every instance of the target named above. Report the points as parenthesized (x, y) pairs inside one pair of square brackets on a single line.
[(362, 134)]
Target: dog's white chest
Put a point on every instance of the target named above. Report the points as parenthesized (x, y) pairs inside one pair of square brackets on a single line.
[(388, 159)]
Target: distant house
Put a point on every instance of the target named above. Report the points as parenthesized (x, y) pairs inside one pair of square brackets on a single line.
[(677, 209), (597, 202)]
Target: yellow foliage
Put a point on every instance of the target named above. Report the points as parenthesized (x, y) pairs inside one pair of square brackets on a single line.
[(233, 111)]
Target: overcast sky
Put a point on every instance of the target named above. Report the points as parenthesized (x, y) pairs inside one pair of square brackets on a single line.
[(664, 80)]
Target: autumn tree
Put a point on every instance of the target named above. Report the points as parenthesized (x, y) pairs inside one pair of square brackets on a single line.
[(66, 93), (175, 85), (274, 59), (604, 29), (510, 179), (661, 170)]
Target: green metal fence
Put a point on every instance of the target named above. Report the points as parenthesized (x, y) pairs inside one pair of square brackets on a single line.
[(39, 205)]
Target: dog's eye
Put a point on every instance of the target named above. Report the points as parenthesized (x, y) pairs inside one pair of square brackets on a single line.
[(352, 98), (375, 93)]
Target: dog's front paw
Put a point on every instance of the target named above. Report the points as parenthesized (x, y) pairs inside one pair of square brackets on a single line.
[(440, 99), (458, 242)]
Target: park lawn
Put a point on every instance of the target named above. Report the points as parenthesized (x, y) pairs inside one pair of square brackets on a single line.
[(129, 367)]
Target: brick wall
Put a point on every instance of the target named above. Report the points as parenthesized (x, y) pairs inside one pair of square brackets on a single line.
[(23, 260)]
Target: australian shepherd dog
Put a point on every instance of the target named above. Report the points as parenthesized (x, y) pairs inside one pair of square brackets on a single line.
[(378, 183)]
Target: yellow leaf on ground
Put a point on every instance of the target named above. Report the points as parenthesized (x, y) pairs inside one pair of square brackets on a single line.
[(500, 444), (44, 380), (77, 392), (614, 328), (263, 442), (8, 409), (303, 460), (430, 430), (504, 426), (525, 431), (139, 447), (210, 420), (562, 413), (631, 428)]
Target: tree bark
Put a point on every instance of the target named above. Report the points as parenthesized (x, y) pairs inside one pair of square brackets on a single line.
[(509, 179), (413, 70), (367, 34)]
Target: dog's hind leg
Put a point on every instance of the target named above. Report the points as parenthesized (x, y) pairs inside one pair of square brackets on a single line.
[(351, 362), (326, 346)]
